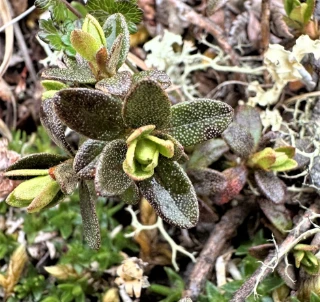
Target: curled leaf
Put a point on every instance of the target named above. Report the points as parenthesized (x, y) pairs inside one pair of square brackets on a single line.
[(54, 127)]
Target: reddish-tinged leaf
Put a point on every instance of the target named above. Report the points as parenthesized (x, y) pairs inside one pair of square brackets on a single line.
[(236, 179)]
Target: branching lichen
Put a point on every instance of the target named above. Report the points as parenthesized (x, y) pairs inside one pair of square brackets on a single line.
[(158, 225)]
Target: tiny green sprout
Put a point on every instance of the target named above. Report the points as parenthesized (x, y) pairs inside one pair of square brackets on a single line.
[(51, 87), (143, 153), (269, 159), (303, 255)]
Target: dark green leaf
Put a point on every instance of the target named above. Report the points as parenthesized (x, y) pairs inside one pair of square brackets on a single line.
[(86, 158), (90, 112), (90, 221), (66, 177), (171, 194), (196, 121), (278, 215), (271, 186), (156, 75), (239, 140), (76, 71), (110, 178), (147, 104), (207, 181), (249, 118), (37, 161), (113, 27), (207, 153), (116, 85), (101, 9), (53, 125), (131, 195)]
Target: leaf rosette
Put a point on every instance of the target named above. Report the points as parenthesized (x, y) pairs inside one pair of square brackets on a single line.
[(141, 138)]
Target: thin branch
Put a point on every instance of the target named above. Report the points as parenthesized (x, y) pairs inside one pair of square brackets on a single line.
[(18, 18), (191, 16), (299, 233), (265, 25), (71, 8), (219, 237)]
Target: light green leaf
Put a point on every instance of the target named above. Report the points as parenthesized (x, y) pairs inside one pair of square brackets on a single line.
[(147, 104), (196, 121), (53, 85), (45, 197), (90, 220), (92, 26), (22, 195), (90, 112), (85, 44), (113, 27)]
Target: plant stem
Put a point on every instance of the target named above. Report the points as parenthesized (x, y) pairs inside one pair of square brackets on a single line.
[(71, 8)]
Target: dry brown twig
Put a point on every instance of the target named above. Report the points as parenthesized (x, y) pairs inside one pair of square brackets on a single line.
[(222, 233), (6, 17), (187, 13), (299, 233), (265, 25)]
